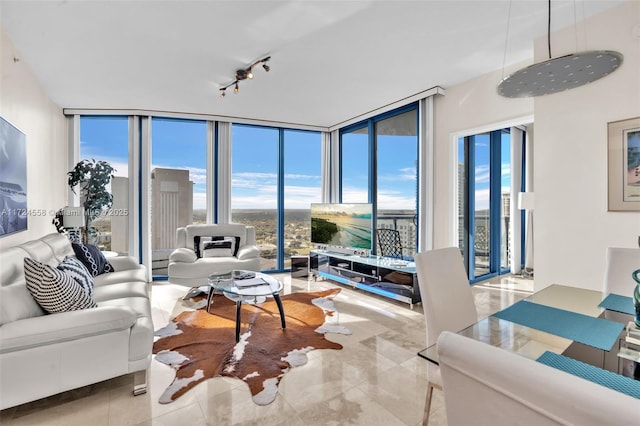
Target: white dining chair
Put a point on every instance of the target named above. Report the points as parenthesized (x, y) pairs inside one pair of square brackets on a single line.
[(487, 385), (447, 302), (621, 262)]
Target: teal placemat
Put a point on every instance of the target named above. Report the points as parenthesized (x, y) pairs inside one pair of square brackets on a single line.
[(615, 302), (596, 332), (593, 374)]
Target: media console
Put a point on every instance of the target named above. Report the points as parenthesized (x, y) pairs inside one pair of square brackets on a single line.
[(385, 276)]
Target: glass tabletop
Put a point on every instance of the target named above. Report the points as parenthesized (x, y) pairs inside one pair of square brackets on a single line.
[(532, 343), (245, 283)]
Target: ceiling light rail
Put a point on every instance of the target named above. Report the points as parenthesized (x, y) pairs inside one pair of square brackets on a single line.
[(244, 74)]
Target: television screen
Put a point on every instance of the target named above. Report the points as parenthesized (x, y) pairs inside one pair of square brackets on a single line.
[(345, 225)]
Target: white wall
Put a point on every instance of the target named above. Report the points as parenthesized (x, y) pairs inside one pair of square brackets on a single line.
[(572, 225), (27, 106), (466, 108)]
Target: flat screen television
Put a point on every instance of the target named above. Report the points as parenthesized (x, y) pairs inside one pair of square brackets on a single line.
[(343, 225)]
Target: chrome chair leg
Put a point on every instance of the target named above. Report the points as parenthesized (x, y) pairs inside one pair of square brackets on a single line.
[(427, 406)]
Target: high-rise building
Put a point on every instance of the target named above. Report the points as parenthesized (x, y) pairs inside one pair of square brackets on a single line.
[(402, 221), (171, 208)]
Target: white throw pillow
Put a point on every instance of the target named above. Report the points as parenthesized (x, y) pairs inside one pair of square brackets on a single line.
[(198, 243), (219, 248)]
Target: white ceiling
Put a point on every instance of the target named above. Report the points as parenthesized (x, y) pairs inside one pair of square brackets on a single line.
[(331, 60)]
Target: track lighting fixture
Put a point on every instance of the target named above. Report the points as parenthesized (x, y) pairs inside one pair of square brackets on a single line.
[(244, 74)]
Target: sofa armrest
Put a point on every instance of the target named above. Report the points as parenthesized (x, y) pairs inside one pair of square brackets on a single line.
[(184, 255), (181, 237), (64, 326), (248, 252), (123, 263)]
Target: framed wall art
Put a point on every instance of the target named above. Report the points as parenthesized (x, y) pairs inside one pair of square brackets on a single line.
[(624, 165), (13, 179)]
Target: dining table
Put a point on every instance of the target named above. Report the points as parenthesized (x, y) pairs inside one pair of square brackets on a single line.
[(566, 327)]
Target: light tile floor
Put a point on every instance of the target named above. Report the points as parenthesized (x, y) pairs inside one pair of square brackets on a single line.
[(376, 379)]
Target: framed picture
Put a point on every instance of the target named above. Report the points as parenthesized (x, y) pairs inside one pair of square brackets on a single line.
[(624, 165), (13, 179)]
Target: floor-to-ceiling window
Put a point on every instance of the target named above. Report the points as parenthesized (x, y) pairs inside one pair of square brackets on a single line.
[(397, 178), (302, 186), (378, 165), (484, 203), (275, 177), (355, 164), (254, 186), (178, 183), (106, 138)]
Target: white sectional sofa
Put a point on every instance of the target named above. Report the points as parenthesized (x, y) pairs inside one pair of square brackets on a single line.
[(44, 354)]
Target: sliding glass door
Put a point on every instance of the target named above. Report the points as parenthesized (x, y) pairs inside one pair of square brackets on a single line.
[(484, 203)]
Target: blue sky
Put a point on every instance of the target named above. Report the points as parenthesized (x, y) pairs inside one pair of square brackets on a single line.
[(182, 144)]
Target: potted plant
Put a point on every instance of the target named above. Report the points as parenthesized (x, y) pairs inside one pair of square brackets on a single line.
[(92, 177)]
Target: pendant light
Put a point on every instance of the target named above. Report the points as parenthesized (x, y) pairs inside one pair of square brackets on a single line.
[(561, 73)]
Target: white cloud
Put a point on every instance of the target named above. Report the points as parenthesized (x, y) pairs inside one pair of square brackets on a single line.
[(355, 195), (199, 200), (482, 199), (404, 174), (197, 175), (295, 176), (482, 174), (395, 200), (505, 169)]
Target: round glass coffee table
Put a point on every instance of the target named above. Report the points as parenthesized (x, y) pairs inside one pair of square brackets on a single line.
[(246, 287)]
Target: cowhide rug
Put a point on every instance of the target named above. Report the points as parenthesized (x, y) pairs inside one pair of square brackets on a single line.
[(201, 345)]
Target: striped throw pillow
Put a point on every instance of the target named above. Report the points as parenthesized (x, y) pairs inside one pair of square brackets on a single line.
[(76, 270), (53, 289)]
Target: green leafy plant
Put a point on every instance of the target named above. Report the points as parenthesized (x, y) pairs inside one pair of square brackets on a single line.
[(92, 177)]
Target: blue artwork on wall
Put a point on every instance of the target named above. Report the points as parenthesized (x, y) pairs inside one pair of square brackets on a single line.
[(13, 179)]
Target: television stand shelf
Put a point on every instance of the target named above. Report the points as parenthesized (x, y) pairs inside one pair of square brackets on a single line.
[(384, 276)]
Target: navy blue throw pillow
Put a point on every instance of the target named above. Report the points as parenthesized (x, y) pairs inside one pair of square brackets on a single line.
[(92, 258)]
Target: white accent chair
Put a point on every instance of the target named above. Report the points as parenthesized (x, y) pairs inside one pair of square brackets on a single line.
[(486, 385), (621, 262), (447, 302), (186, 268)]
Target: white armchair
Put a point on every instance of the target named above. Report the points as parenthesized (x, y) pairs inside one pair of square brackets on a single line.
[(204, 249)]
